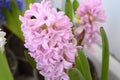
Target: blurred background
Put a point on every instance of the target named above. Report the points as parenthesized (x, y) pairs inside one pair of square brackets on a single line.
[(112, 27)]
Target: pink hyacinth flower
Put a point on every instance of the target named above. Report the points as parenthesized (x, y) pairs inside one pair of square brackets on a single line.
[(91, 15), (49, 39)]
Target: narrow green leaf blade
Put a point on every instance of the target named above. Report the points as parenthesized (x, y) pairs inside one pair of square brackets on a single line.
[(75, 5), (15, 12), (82, 65), (5, 73), (12, 24), (105, 55), (14, 9), (30, 60), (69, 9), (9, 21), (75, 74)]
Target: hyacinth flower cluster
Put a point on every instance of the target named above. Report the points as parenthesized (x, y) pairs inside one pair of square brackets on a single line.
[(6, 4), (49, 39), (89, 16)]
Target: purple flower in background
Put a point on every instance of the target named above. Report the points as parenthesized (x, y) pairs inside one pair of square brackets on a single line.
[(6, 4), (3, 3), (21, 4), (2, 18)]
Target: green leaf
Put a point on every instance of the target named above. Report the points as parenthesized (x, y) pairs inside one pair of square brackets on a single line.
[(13, 24), (14, 9), (75, 74), (8, 16), (75, 5), (15, 12), (105, 55), (28, 2), (68, 9), (82, 65), (30, 60), (9, 21), (5, 73)]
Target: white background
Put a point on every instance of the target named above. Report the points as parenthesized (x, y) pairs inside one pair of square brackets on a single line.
[(112, 25)]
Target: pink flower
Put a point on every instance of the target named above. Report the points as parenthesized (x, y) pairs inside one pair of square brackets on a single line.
[(91, 15), (49, 39)]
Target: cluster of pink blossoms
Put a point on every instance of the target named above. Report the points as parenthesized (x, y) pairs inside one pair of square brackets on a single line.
[(91, 15), (49, 39)]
